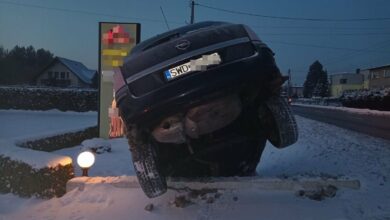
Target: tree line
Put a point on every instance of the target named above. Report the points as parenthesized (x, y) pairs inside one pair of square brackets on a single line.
[(21, 65)]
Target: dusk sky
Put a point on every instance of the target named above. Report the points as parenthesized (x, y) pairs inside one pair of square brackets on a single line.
[(70, 28)]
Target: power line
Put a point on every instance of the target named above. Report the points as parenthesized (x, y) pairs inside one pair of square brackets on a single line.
[(342, 58), (319, 27), (84, 12), (346, 56), (293, 18), (353, 54), (326, 47), (324, 34)]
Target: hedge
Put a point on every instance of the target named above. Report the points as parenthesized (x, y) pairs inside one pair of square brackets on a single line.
[(377, 99), (61, 141), (35, 98), (21, 179)]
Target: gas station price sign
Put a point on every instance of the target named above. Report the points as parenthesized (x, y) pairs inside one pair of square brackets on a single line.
[(116, 40)]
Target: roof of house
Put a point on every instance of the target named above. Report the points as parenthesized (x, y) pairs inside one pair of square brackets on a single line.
[(379, 67), (86, 75)]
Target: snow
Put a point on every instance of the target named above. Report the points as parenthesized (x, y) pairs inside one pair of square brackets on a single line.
[(365, 94), (116, 163), (107, 202), (9, 203), (36, 159), (79, 69), (21, 125), (350, 110), (322, 151), (232, 183)]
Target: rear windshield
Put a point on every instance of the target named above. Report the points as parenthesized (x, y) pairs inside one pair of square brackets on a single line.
[(167, 36)]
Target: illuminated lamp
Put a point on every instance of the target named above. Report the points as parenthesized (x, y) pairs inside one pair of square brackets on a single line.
[(85, 160)]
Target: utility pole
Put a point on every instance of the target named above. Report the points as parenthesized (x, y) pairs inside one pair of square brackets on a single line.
[(289, 84), (192, 10)]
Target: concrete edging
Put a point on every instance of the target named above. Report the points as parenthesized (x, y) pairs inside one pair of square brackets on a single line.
[(219, 183)]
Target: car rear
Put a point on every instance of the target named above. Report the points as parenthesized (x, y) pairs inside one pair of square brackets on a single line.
[(201, 100), (150, 90)]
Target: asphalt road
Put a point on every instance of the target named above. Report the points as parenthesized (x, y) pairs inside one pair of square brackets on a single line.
[(374, 125)]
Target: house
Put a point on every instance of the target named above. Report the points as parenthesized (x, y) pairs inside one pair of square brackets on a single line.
[(366, 78), (297, 91), (62, 72), (379, 77), (345, 82), (292, 91)]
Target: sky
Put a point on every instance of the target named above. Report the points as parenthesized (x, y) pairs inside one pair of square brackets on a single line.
[(69, 28)]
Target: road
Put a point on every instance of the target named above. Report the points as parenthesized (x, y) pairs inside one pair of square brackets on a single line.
[(372, 124)]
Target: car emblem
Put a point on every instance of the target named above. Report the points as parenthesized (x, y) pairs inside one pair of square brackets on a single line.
[(183, 45)]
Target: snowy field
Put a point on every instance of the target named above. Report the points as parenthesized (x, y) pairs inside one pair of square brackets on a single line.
[(322, 151), (21, 124)]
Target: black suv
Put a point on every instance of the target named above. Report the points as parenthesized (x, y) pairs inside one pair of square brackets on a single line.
[(201, 100)]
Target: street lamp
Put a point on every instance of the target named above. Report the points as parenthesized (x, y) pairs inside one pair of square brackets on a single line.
[(85, 160)]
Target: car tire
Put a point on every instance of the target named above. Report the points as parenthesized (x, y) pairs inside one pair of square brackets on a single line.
[(144, 158), (277, 116)]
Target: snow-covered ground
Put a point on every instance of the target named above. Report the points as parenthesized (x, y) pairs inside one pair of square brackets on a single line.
[(322, 150), (21, 124)]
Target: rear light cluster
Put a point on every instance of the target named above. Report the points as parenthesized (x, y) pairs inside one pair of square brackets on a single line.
[(156, 80)]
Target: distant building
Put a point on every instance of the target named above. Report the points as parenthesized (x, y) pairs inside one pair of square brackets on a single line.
[(62, 72), (292, 91), (345, 82), (379, 77), (366, 78), (297, 91)]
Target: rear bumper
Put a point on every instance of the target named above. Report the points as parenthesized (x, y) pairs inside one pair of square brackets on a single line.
[(179, 95)]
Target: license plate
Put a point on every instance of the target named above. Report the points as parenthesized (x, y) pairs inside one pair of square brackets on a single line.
[(199, 64)]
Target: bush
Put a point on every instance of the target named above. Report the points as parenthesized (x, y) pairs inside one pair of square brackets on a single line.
[(21, 179), (378, 99), (34, 98), (61, 141)]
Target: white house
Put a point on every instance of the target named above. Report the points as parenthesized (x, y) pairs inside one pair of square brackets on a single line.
[(62, 72)]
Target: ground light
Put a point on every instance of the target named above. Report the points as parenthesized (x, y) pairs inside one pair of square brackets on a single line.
[(85, 160)]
